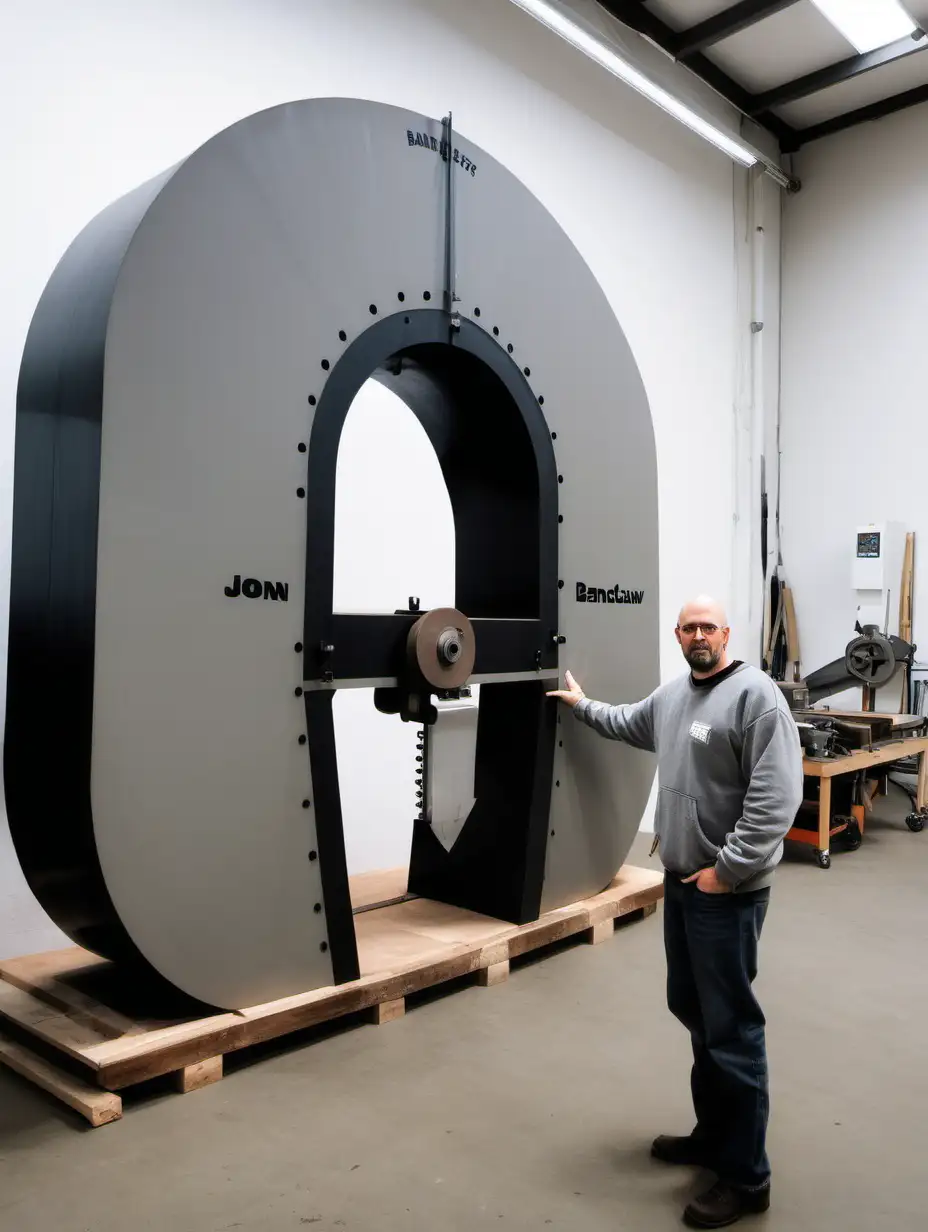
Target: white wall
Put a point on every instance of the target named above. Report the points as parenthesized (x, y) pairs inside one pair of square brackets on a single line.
[(855, 313), (393, 540), (100, 96)]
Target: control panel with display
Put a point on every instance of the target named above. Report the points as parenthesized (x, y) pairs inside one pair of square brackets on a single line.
[(868, 545)]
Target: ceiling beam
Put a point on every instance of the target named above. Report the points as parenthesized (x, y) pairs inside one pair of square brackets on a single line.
[(723, 25), (834, 74), (874, 111), (632, 13)]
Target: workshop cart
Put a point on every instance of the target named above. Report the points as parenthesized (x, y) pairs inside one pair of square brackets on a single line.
[(847, 775)]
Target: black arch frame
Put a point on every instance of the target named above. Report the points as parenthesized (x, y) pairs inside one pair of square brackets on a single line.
[(498, 461)]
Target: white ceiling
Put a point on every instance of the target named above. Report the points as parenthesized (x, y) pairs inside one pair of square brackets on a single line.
[(796, 41), (869, 88), (781, 48), (679, 14)]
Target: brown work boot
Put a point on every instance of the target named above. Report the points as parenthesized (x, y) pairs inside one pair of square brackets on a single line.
[(687, 1151), (724, 1204)]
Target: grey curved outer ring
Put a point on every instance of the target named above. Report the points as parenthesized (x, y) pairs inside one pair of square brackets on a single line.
[(228, 292)]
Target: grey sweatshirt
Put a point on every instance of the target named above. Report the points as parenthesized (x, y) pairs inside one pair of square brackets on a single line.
[(729, 770)]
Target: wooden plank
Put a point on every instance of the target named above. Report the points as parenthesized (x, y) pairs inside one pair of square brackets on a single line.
[(385, 945), (438, 922), (905, 591), (490, 955), (414, 945), (195, 1077), (629, 893), (860, 716), (388, 1011), (496, 973), (601, 932), (48, 1023), (377, 887), (31, 975), (632, 889), (123, 1063), (557, 926), (921, 790), (824, 815), (50, 965), (792, 630), (96, 1106)]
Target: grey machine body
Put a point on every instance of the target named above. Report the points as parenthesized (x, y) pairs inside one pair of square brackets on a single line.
[(223, 286)]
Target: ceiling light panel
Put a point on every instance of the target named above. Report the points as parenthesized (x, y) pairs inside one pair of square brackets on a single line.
[(867, 24)]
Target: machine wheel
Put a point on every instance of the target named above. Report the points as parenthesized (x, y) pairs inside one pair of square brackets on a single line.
[(915, 822), (824, 859), (852, 837)]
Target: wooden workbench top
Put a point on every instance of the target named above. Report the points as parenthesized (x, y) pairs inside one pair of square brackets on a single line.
[(860, 759), (859, 716)]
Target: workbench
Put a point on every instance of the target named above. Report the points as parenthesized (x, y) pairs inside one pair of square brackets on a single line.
[(827, 768)]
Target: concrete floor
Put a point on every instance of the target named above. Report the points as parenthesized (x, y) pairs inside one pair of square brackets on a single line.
[(531, 1105)]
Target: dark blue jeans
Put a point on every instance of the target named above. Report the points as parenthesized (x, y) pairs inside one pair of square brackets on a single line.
[(711, 942)]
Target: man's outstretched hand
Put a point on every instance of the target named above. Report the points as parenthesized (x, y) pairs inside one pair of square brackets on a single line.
[(572, 694)]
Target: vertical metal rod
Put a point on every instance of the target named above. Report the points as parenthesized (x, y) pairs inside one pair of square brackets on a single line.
[(451, 297)]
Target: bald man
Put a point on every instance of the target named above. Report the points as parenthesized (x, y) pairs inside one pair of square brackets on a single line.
[(730, 777)]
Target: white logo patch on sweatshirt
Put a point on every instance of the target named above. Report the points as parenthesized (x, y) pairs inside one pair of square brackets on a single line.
[(701, 731)]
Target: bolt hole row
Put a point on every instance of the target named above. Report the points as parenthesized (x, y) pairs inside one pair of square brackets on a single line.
[(426, 295)]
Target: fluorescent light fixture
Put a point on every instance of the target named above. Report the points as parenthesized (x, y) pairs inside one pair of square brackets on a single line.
[(867, 24), (597, 50)]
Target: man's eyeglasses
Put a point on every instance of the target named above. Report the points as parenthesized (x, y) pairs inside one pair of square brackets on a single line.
[(689, 630)]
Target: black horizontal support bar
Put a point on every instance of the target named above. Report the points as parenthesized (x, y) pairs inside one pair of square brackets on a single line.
[(723, 25), (513, 645), (632, 13), (370, 647), (834, 74), (874, 111), (366, 647), (713, 76)]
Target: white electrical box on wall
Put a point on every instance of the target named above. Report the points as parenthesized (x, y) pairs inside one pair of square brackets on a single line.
[(876, 573)]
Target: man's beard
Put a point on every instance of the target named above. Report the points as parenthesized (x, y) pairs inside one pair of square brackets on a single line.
[(703, 658)]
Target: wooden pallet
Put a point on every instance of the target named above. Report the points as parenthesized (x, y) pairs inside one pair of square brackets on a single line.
[(67, 1029)]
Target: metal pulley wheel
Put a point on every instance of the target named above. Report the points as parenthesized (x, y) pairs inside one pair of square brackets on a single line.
[(870, 658), (441, 648)]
